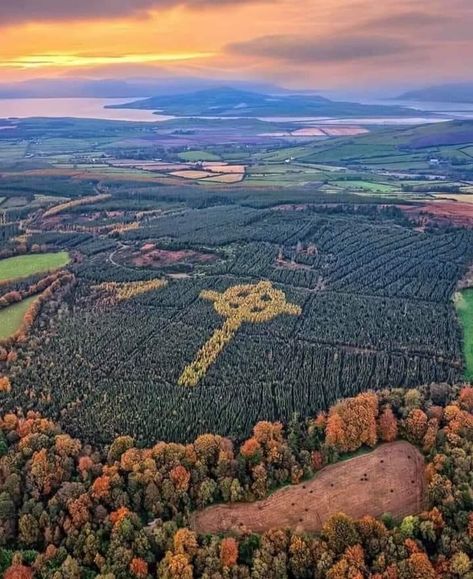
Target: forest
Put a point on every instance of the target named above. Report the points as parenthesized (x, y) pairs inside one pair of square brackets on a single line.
[(174, 345), (71, 509), (374, 294)]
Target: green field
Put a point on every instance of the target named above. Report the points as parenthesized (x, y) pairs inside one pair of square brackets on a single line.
[(198, 156), (26, 265), (464, 305), (366, 186), (12, 316)]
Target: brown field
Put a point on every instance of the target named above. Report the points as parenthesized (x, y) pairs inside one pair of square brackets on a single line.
[(308, 132), (190, 174), (344, 131), (102, 172), (445, 212), (228, 178), (390, 479), (224, 168), (459, 197), (165, 257)]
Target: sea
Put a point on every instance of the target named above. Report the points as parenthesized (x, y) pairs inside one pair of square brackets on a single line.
[(94, 108)]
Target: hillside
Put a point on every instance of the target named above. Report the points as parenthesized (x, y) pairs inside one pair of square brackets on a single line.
[(234, 102), (450, 93)]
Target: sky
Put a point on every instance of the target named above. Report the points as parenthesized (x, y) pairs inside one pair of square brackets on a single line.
[(351, 45)]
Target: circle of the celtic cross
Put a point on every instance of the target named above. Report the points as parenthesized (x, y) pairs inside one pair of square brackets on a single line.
[(252, 303)]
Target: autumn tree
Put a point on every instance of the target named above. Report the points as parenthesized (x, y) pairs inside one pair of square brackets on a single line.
[(340, 532), (228, 552), (352, 423), (175, 567), (418, 566), (139, 567), (18, 571), (5, 384), (415, 426), (387, 425)]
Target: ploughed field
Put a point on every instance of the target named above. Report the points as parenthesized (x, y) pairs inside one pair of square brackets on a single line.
[(390, 479)]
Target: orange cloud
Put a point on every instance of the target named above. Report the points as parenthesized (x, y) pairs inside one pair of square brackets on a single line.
[(305, 43)]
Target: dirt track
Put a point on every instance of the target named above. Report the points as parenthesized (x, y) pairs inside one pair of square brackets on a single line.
[(389, 479)]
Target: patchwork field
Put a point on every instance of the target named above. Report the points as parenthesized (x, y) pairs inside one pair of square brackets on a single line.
[(390, 479)]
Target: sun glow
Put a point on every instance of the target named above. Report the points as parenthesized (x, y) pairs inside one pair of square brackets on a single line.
[(77, 60)]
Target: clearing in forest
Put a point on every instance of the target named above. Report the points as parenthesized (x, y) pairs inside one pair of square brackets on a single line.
[(390, 479), (31, 264), (464, 306), (12, 316)]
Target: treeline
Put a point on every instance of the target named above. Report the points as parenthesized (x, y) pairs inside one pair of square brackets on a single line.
[(7, 231), (49, 288), (15, 296), (70, 509)]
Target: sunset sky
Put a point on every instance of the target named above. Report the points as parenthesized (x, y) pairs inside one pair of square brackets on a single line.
[(326, 44)]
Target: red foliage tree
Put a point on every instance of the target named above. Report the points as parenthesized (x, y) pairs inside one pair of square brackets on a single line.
[(180, 478), (466, 398), (17, 571), (387, 425), (228, 552), (139, 567), (250, 448)]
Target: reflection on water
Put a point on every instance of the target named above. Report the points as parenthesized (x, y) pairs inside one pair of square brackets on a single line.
[(81, 108), (93, 108)]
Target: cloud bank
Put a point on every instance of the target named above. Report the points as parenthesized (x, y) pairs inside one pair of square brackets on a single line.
[(21, 11), (328, 50)]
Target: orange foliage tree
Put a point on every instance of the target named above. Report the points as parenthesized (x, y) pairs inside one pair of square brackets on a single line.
[(180, 477), (387, 425), (17, 571), (5, 385), (228, 552), (139, 567), (352, 423)]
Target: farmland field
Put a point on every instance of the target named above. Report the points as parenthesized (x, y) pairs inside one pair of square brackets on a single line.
[(366, 186), (12, 317), (198, 156), (393, 473), (27, 265), (464, 305)]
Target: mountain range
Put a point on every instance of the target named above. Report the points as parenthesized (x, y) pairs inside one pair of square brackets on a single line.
[(449, 93), (116, 88), (234, 102)]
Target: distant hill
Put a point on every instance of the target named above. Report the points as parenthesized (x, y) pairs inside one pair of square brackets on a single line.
[(231, 102), (458, 132), (116, 88), (450, 93)]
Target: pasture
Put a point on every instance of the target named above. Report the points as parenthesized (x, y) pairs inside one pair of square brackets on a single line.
[(11, 317), (26, 265), (464, 306), (198, 156)]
